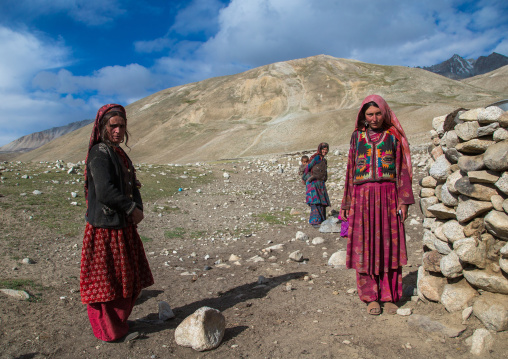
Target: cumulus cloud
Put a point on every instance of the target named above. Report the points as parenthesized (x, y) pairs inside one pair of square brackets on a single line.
[(215, 37)]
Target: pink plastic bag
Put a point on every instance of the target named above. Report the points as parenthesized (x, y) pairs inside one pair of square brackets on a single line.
[(344, 226)]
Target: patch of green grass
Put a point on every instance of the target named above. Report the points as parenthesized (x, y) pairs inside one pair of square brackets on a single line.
[(145, 239), (195, 234), (162, 181), (51, 209), (17, 284), (274, 218), (177, 232), (26, 285)]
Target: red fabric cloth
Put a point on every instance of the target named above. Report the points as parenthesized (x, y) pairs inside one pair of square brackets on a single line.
[(376, 238), (113, 264), (386, 287), (109, 319)]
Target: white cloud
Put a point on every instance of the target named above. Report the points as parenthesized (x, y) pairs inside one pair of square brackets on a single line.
[(209, 38), (24, 54), (187, 23), (258, 32)]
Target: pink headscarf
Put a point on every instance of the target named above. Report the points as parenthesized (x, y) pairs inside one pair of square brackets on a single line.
[(390, 122), (95, 137)]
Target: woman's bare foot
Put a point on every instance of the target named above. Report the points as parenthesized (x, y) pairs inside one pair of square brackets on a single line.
[(373, 308), (390, 308)]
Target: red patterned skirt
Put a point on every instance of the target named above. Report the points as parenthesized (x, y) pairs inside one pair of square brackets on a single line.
[(376, 239), (113, 264)]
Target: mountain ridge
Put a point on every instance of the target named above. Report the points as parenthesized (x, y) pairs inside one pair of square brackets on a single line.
[(276, 108), (458, 68)]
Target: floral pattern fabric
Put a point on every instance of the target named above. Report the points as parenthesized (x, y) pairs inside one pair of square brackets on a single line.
[(113, 264)]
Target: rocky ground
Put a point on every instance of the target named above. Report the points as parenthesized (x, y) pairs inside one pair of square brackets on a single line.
[(207, 246)]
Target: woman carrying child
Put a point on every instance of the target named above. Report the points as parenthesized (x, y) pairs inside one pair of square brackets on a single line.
[(377, 194), (315, 176)]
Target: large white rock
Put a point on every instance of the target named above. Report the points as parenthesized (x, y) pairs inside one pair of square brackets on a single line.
[(437, 124), (467, 131), (492, 310), (441, 211), (496, 224), (504, 251), (469, 209), (469, 250), (481, 342), (487, 130), (458, 296), (453, 230), (448, 198), (483, 176), (471, 115), (427, 202), (428, 182), (490, 114), (202, 330), (338, 259), (450, 139), (487, 280), (450, 265), (502, 183), (440, 170), (451, 180), (500, 134), (496, 156), (431, 287), (428, 239), (482, 192)]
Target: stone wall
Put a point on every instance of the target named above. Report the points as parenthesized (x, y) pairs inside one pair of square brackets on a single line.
[(464, 202)]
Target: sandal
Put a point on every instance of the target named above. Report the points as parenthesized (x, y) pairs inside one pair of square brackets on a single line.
[(373, 308), (390, 308)]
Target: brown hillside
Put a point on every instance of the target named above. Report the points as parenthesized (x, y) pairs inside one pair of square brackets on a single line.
[(282, 107), (495, 80)]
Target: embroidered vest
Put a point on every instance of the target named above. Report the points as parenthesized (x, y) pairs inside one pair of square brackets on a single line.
[(375, 161)]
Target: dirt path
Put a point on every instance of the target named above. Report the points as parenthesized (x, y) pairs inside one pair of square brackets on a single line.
[(300, 310)]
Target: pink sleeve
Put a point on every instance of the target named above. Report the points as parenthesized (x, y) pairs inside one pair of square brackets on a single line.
[(404, 185), (348, 185)]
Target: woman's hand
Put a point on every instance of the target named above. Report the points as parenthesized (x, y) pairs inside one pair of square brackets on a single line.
[(403, 211), (137, 215), (344, 213)]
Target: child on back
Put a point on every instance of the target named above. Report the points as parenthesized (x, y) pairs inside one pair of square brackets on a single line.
[(304, 161)]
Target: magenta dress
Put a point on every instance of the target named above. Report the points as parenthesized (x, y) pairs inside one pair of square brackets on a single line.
[(376, 246)]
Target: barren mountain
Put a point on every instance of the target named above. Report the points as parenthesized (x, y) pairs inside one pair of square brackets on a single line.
[(37, 139), (277, 108), (458, 68)]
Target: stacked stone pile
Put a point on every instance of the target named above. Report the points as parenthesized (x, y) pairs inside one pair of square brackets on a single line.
[(464, 200)]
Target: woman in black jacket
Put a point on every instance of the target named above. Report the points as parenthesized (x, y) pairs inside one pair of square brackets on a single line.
[(114, 267)]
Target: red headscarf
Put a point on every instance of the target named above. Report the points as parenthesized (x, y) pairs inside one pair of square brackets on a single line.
[(319, 149), (392, 123), (95, 137)]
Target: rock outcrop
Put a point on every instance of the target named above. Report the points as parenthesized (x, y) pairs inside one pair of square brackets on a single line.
[(465, 200)]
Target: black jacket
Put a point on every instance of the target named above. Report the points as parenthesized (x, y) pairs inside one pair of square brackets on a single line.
[(112, 190)]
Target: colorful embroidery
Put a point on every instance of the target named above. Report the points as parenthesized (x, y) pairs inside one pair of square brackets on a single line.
[(375, 161)]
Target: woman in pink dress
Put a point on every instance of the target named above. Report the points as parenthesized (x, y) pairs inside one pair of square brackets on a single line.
[(377, 194)]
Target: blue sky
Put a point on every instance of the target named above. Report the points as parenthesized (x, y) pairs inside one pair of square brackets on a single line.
[(60, 60)]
